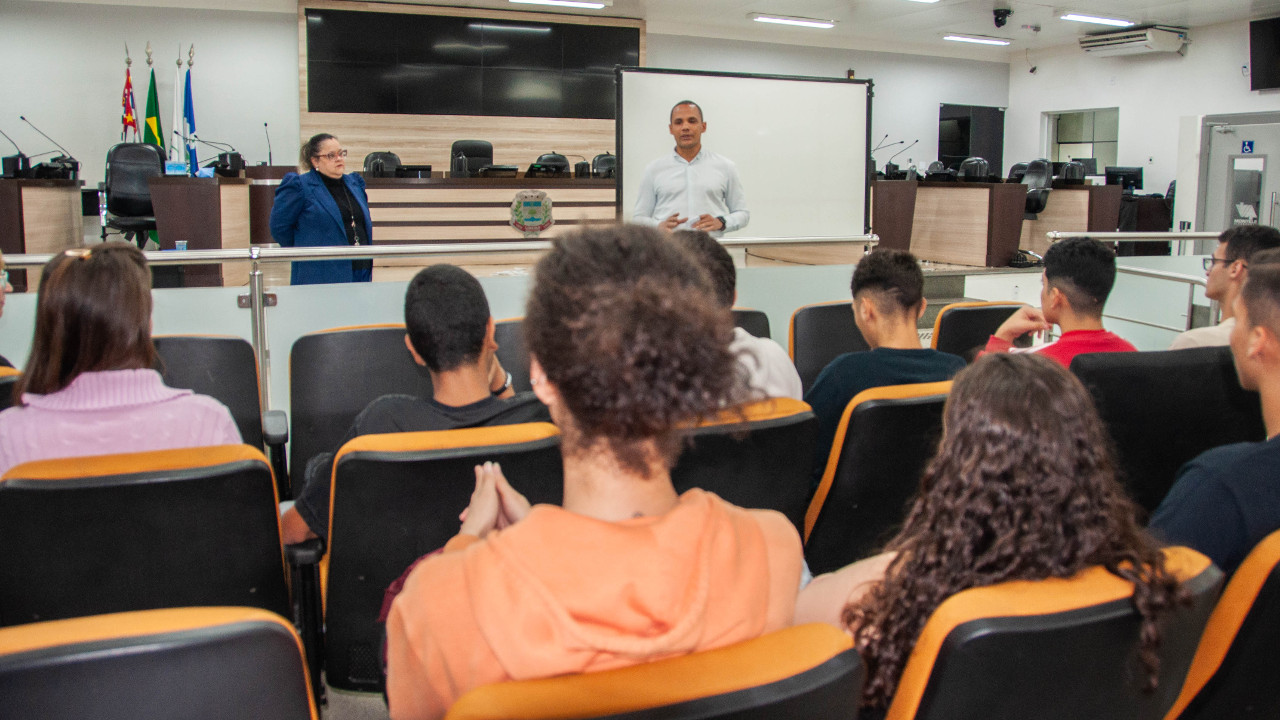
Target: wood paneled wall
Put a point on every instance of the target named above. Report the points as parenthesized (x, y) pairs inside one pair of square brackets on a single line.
[(425, 139)]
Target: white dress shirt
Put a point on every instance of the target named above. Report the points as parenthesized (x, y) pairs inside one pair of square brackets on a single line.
[(707, 185)]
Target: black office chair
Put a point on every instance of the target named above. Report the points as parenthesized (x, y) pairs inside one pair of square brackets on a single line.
[(1073, 173), (755, 322), (819, 334), (469, 156), (1165, 408), (554, 162), (1038, 178), (1168, 196), (381, 164), (938, 172), (604, 165), (1016, 171), (126, 193), (974, 169)]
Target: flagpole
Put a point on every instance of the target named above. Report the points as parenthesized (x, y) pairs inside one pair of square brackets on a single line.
[(177, 107)]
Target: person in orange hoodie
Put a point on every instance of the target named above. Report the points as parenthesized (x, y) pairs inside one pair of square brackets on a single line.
[(628, 343)]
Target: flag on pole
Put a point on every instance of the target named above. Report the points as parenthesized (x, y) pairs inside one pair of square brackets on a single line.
[(173, 152), (153, 133), (189, 128), (128, 111)]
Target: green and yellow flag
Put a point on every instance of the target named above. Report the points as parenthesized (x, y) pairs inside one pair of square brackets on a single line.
[(152, 132)]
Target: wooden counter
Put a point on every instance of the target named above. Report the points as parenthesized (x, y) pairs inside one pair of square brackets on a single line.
[(960, 223), (1073, 208), (210, 214), (39, 216)]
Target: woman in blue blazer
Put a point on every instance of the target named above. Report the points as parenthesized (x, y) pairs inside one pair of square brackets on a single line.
[(323, 207)]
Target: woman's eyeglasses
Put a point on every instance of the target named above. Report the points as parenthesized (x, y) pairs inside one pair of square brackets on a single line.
[(333, 155)]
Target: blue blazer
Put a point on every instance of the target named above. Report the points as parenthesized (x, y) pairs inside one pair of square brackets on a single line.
[(305, 215)]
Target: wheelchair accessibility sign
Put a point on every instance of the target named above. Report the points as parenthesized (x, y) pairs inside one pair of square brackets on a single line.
[(1246, 147)]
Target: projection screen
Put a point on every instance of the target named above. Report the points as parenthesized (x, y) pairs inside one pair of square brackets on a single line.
[(800, 143)]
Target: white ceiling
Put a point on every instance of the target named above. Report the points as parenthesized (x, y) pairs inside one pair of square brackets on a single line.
[(880, 25)]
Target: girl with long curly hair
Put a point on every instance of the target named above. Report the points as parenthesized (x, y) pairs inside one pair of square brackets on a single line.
[(1023, 487)]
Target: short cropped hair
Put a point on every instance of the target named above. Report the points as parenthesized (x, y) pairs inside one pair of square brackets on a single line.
[(1084, 270), (714, 259), (893, 277), (1245, 240), (701, 117), (446, 315), (1261, 292)]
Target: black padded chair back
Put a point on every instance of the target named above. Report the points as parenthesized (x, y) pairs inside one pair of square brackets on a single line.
[(1057, 649), (1073, 173), (396, 497), (1016, 172), (129, 167), (381, 164), (191, 663), (885, 438), (755, 322), (974, 169), (512, 353), (756, 456), (171, 528), (1233, 674), (8, 381), (1038, 175), (1165, 408), (478, 153), (821, 333), (805, 672), (1170, 194), (222, 367), (555, 161), (964, 328), (334, 374), (604, 165)]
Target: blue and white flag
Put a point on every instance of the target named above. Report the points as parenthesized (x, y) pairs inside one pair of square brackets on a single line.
[(189, 128)]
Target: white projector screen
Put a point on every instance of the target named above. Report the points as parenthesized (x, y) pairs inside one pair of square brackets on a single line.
[(800, 143)]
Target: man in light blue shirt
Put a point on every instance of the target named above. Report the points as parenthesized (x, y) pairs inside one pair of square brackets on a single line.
[(692, 188)]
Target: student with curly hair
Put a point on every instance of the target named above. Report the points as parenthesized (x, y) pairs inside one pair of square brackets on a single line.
[(1018, 491), (628, 344)]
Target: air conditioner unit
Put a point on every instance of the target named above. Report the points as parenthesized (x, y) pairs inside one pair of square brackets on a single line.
[(1136, 41)]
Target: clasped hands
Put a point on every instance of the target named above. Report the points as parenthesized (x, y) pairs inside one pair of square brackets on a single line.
[(1026, 319), (705, 222), (494, 503)]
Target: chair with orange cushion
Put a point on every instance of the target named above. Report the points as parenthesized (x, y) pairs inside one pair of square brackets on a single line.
[(111, 533), (819, 334), (885, 437), (1053, 649), (963, 328), (755, 456), (201, 663), (1234, 670), (802, 672)]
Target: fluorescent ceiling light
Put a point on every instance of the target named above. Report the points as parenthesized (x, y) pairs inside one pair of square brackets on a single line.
[(979, 39), (1077, 17), (566, 3), (796, 21), (924, 1)]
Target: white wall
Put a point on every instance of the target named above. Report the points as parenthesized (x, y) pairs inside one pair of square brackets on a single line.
[(64, 70), (908, 88), (1152, 92)]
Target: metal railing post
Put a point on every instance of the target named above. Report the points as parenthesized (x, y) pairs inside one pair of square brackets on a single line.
[(258, 327)]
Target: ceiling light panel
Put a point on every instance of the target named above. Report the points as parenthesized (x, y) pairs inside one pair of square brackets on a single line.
[(792, 20), (977, 39), (1095, 19)]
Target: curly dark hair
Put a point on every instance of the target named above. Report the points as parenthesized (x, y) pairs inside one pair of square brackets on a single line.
[(624, 323), (1019, 490)]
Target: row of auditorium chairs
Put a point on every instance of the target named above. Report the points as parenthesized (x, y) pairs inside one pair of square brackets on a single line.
[(1049, 649)]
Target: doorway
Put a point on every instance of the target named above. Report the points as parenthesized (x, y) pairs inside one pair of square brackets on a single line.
[(1239, 184)]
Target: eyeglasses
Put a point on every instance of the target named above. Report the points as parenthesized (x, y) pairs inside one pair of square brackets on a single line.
[(1209, 261), (333, 155), (4, 278)]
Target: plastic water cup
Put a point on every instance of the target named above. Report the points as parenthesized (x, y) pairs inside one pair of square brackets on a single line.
[(179, 244)]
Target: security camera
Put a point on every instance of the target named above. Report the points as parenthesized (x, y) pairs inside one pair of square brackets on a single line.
[(1001, 16)]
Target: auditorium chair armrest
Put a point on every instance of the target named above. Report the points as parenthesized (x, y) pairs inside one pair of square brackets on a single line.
[(308, 610), (307, 552), (275, 427), (275, 433)]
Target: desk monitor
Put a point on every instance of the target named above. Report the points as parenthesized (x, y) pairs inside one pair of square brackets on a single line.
[(1130, 178), (1090, 165)]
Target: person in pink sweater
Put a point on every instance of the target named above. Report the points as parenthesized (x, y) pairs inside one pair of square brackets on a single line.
[(89, 387), (628, 343)]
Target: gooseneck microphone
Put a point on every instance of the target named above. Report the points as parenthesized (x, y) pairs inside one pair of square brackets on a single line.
[(881, 143), (266, 131), (913, 142), (65, 152), (11, 142)]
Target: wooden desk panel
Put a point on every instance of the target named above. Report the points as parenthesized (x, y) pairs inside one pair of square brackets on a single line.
[(39, 216), (1078, 208), (892, 206), (210, 214), (950, 224)]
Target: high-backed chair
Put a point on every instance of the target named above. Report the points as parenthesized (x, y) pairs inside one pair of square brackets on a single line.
[(806, 671), (604, 165), (334, 374), (397, 497), (1073, 173), (963, 328), (1165, 408), (755, 322), (1016, 172), (939, 172), (202, 663), (885, 438), (819, 334), (1038, 178), (1053, 649), (1234, 667), (512, 353), (468, 156), (110, 533), (224, 368), (974, 169), (8, 380), (126, 192), (756, 456), (381, 164)]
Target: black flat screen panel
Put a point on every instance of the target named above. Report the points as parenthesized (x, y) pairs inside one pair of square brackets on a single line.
[(432, 65), (1264, 54)]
